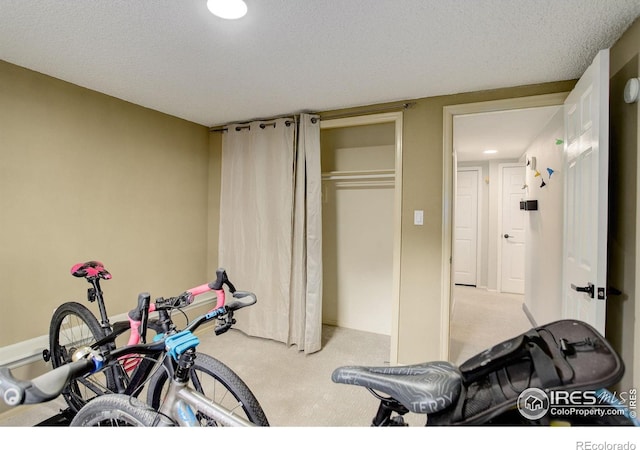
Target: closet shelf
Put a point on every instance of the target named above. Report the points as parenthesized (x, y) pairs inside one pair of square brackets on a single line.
[(358, 175)]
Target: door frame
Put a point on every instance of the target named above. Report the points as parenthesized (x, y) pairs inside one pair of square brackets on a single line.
[(448, 202), (373, 119), (501, 167)]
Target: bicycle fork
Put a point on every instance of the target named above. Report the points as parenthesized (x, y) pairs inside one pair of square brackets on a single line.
[(180, 399)]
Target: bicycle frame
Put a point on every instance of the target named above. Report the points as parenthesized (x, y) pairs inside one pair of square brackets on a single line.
[(140, 369), (180, 402)]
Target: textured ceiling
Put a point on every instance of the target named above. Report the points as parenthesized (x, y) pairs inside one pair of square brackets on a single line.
[(288, 56)]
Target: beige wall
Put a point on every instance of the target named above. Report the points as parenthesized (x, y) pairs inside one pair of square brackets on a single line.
[(87, 176), (624, 269)]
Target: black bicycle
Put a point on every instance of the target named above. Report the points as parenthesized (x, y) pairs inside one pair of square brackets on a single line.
[(75, 333), (555, 374)]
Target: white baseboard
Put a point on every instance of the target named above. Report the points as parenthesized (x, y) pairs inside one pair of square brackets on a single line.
[(529, 315)]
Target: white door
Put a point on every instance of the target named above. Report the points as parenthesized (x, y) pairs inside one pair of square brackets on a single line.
[(465, 250), (513, 230), (586, 165)]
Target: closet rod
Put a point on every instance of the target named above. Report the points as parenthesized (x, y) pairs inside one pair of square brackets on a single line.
[(363, 112)]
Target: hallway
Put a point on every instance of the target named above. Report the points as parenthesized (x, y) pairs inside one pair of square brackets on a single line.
[(481, 319)]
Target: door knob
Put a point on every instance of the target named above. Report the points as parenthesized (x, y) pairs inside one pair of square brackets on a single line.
[(589, 289), (506, 236)]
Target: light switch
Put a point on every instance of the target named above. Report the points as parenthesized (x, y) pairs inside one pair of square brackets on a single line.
[(418, 217)]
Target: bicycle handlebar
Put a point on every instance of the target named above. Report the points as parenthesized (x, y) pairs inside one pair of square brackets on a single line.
[(44, 387), (216, 285), (139, 315)]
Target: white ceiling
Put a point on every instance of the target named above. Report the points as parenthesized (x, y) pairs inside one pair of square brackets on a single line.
[(305, 55), (508, 132)]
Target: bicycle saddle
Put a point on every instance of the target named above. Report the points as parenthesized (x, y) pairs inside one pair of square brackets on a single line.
[(422, 388), (90, 269)]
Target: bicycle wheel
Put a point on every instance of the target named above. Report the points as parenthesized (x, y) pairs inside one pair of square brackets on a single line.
[(115, 410), (217, 382), (72, 327)]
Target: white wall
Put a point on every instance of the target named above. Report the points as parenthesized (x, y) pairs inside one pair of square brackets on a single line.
[(543, 264), (358, 226), (358, 256)]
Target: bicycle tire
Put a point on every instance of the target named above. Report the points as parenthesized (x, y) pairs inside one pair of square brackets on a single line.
[(73, 326), (115, 410), (218, 382)]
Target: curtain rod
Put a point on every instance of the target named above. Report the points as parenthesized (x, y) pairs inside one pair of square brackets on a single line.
[(403, 106), (362, 112), (246, 125)]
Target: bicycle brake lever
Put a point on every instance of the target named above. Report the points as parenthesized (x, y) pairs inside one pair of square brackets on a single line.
[(220, 329), (222, 279), (225, 324)]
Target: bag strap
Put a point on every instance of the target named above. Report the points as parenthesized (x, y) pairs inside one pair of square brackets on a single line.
[(544, 366)]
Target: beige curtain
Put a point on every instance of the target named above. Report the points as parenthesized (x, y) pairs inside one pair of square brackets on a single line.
[(270, 227), (306, 270)]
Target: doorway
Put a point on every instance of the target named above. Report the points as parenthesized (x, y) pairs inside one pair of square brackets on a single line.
[(491, 237), (362, 184)]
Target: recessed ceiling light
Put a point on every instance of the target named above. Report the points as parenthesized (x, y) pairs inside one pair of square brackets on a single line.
[(490, 152), (227, 9)]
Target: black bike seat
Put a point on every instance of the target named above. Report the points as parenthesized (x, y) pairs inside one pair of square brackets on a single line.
[(422, 388)]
